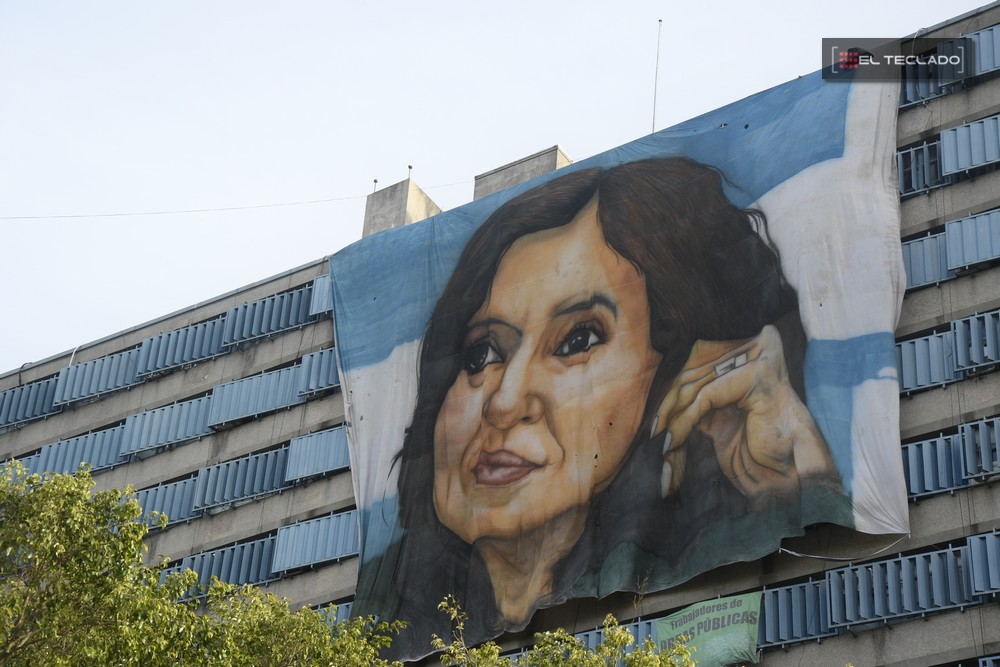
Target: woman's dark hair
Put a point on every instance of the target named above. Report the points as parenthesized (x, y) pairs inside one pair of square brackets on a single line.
[(710, 275)]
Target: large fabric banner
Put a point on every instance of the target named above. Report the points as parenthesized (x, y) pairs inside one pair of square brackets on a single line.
[(721, 632), (640, 367)]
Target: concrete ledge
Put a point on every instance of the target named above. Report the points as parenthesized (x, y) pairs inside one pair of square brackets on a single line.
[(937, 305), (924, 212), (319, 586), (936, 639), (263, 433), (933, 410), (920, 122)]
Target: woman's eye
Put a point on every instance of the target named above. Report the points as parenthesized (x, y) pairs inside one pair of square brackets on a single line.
[(479, 355), (579, 340)]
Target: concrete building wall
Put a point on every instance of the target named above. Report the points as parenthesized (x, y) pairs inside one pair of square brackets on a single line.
[(397, 205), (937, 305), (519, 171), (925, 212), (244, 519), (254, 517)]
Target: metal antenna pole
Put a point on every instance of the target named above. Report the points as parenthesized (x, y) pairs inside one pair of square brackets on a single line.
[(656, 76)]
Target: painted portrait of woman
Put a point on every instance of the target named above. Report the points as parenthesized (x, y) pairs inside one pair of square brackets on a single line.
[(625, 374), (609, 384)]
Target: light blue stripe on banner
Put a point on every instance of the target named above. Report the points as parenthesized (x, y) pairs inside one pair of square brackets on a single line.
[(385, 286), (379, 527), (833, 368)]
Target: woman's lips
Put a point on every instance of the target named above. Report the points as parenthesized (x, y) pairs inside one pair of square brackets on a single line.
[(501, 467)]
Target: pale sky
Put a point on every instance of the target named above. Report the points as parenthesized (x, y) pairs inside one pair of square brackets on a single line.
[(285, 112)]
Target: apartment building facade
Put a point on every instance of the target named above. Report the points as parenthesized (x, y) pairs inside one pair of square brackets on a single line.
[(228, 417)]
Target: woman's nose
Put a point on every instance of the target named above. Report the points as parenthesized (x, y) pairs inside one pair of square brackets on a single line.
[(515, 400)]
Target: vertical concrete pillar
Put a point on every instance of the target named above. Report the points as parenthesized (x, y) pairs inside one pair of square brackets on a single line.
[(397, 205)]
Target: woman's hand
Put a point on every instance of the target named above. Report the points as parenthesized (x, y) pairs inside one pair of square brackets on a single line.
[(738, 394)]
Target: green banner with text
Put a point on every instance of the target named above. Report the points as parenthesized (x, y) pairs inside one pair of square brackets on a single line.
[(721, 631)]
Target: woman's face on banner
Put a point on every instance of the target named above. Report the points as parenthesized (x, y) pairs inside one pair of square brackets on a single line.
[(556, 367)]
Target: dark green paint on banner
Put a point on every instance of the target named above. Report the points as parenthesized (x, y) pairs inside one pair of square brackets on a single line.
[(721, 631)]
